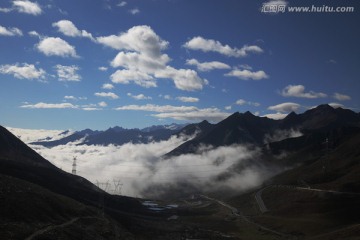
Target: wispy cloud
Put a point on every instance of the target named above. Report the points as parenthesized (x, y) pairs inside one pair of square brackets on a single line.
[(107, 86), (134, 11), (122, 4), (69, 97), (139, 96), (207, 66), (102, 104), (285, 107), (68, 73), (103, 69), (244, 102), (188, 99), (210, 45), (11, 31), (107, 95), (276, 116), (336, 105), (190, 113), (34, 34), (42, 105), (341, 97)]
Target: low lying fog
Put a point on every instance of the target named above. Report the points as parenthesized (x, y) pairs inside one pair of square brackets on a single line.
[(144, 173)]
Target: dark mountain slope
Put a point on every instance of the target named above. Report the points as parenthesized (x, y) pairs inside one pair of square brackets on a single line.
[(321, 117), (20, 161), (245, 128), (26, 209), (14, 150), (196, 128), (317, 199), (237, 128), (341, 160)]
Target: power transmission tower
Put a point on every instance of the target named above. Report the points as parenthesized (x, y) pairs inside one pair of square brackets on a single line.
[(117, 186), (74, 166), (325, 160), (105, 187)]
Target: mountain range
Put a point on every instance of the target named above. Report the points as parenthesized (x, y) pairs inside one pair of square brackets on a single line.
[(239, 128), (246, 128), (116, 136)]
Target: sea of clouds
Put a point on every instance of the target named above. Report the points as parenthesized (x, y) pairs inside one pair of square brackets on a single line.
[(144, 172)]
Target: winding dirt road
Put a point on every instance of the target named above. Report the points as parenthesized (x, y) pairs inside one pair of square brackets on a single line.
[(51, 227)]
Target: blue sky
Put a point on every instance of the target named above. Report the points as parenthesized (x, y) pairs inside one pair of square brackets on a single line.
[(96, 64)]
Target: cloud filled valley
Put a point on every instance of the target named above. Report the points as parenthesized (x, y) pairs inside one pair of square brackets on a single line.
[(144, 172)]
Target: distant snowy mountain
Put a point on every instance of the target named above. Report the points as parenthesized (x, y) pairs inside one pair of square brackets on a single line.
[(114, 135)]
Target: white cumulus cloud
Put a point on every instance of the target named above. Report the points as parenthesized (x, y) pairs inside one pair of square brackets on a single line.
[(247, 74), (51, 46), (184, 79), (25, 6), (26, 71), (68, 28), (142, 59), (126, 76)]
